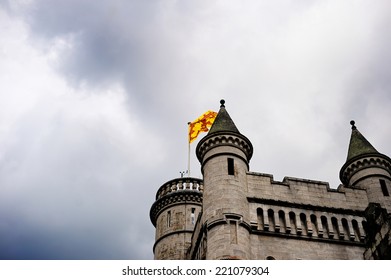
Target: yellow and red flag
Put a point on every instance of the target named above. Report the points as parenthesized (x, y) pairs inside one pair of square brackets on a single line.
[(202, 124)]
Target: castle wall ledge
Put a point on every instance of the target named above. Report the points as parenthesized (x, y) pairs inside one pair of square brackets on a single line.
[(320, 208), (309, 238), (303, 191), (286, 180)]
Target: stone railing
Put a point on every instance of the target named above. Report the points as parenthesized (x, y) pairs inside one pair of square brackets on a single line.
[(180, 184)]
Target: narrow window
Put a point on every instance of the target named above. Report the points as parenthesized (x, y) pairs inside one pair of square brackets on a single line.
[(281, 216), (314, 222), (292, 221), (192, 216), (233, 232), (334, 223), (260, 218), (304, 226), (325, 226), (231, 170), (356, 230), (384, 187), (168, 218), (345, 228), (272, 222)]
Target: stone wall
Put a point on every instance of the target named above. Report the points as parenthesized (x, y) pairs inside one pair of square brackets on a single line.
[(378, 233), (306, 192), (274, 247)]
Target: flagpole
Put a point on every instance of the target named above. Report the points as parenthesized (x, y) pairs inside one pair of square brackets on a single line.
[(202, 124), (188, 154)]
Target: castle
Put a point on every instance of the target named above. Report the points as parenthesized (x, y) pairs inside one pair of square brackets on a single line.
[(233, 213)]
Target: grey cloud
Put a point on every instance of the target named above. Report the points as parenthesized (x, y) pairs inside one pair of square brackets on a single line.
[(78, 184)]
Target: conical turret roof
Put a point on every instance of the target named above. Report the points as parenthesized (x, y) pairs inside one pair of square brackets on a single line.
[(359, 145), (223, 121), (224, 133), (361, 155)]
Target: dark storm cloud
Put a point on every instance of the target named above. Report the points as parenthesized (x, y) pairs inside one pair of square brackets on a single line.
[(110, 40), (95, 97), (68, 192)]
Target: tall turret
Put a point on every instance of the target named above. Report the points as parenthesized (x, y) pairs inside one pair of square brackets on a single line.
[(174, 213), (368, 169), (224, 154)]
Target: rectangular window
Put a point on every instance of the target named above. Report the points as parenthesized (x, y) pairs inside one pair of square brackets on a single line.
[(192, 216), (168, 218), (233, 232), (384, 187), (231, 169)]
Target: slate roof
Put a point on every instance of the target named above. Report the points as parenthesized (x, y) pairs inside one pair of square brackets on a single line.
[(359, 145), (223, 121)]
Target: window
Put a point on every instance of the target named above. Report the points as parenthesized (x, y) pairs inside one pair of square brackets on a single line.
[(260, 219), (231, 169), (356, 230), (272, 222), (384, 187), (192, 216), (168, 218), (303, 221), (233, 232)]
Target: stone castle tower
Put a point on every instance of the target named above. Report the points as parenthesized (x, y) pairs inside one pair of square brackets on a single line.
[(233, 213)]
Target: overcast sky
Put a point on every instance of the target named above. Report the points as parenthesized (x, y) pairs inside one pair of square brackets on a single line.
[(95, 96)]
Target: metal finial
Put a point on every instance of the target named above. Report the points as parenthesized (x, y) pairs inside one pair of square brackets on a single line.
[(353, 124), (222, 102)]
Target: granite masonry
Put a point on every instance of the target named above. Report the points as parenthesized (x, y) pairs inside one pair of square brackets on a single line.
[(235, 214)]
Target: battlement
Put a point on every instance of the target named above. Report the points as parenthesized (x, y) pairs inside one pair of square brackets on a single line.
[(180, 184), (306, 192), (249, 215), (177, 191)]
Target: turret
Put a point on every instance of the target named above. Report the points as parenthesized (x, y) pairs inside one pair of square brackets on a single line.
[(368, 169), (174, 213), (224, 154)]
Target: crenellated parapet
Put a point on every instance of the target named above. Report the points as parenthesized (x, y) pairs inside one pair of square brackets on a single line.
[(235, 213), (180, 184), (177, 191)]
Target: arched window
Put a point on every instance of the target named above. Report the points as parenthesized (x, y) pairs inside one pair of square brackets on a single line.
[(356, 230), (260, 219), (345, 227), (281, 216), (303, 221), (325, 226), (334, 222), (292, 220), (270, 214), (314, 223)]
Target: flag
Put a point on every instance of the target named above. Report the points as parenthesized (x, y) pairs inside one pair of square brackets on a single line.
[(202, 124)]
